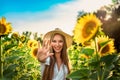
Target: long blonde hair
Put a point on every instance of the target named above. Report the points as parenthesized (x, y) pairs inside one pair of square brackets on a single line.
[(49, 69)]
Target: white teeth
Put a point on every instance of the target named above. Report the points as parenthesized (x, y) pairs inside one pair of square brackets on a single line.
[(57, 47)]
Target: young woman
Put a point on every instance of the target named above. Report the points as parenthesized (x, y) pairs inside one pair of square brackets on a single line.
[(53, 55)]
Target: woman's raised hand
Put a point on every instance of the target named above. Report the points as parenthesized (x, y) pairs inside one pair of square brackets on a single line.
[(44, 52)]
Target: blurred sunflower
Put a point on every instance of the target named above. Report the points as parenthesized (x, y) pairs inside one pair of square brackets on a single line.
[(32, 43), (20, 44), (22, 38), (86, 28), (5, 27), (107, 48), (15, 35), (35, 44), (34, 52)]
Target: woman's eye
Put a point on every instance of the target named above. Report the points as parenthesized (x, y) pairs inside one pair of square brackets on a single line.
[(60, 41), (53, 41)]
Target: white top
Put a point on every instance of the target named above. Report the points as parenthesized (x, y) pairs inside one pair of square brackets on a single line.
[(58, 74)]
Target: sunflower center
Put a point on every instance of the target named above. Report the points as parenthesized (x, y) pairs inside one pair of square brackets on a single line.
[(87, 30), (35, 52), (30, 45), (22, 38), (15, 35), (105, 49), (2, 29)]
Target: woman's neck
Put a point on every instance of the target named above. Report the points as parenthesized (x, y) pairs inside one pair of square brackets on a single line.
[(57, 55), (58, 60)]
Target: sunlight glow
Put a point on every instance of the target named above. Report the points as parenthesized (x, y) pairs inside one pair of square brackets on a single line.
[(63, 16), (92, 5)]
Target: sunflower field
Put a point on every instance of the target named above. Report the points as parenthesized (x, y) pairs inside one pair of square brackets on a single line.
[(18, 54), (94, 54)]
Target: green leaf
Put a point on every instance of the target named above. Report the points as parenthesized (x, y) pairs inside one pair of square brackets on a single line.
[(109, 59), (94, 64), (30, 65), (7, 47), (12, 58), (104, 43), (87, 51), (79, 74)]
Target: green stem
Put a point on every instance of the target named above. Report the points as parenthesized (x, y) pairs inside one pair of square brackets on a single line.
[(97, 59), (102, 78), (1, 62)]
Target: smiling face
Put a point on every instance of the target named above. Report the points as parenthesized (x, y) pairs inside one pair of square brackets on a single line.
[(57, 43)]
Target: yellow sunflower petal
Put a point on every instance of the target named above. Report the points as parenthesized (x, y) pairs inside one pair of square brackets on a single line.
[(9, 27), (3, 21)]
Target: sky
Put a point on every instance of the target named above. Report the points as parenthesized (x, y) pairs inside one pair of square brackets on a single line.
[(45, 15)]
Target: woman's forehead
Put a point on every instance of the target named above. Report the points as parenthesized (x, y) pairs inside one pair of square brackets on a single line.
[(57, 36)]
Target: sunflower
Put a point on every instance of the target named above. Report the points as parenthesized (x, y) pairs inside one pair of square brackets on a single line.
[(5, 27), (34, 52), (107, 48), (86, 28), (32, 43), (20, 44), (22, 38), (35, 44), (15, 35)]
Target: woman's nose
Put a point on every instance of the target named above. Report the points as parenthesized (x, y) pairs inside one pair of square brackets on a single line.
[(57, 43)]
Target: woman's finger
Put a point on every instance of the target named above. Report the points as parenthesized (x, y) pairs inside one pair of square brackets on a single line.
[(39, 44), (48, 44), (44, 44)]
